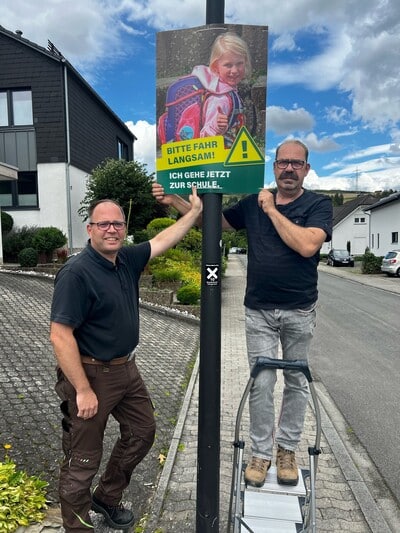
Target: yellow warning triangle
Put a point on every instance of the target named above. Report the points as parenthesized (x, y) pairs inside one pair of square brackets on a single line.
[(244, 150)]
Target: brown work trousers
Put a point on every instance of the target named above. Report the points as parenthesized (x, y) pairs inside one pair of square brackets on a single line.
[(121, 393)]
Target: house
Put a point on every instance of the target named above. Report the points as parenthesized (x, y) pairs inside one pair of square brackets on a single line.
[(384, 227), (54, 129), (351, 225)]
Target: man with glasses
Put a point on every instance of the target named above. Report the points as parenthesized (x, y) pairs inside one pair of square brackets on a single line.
[(285, 231), (94, 331)]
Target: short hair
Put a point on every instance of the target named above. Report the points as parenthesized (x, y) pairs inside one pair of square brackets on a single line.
[(94, 204), (230, 42), (293, 141)]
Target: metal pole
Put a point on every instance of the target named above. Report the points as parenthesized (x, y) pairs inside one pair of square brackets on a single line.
[(208, 441)]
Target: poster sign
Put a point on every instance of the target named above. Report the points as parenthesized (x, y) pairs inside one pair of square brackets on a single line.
[(211, 98)]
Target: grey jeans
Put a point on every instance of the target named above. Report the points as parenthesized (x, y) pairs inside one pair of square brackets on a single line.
[(265, 329)]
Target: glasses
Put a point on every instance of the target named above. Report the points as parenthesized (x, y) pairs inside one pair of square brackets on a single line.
[(105, 226), (297, 164)]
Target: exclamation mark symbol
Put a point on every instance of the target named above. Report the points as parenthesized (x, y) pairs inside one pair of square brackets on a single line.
[(244, 148)]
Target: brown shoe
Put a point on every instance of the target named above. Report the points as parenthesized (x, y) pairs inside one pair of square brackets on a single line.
[(256, 471), (287, 471)]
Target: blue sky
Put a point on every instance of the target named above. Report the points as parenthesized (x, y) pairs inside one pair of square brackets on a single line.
[(333, 72)]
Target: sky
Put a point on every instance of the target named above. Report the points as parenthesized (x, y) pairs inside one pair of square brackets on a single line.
[(333, 73)]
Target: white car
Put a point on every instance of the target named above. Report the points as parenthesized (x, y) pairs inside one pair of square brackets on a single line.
[(391, 263)]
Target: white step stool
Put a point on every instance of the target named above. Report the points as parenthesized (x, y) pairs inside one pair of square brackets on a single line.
[(274, 508)]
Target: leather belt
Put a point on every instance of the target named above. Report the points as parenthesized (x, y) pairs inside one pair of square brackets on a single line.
[(117, 361)]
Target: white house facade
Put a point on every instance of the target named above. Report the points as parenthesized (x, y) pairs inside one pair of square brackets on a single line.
[(384, 227), (351, 226)]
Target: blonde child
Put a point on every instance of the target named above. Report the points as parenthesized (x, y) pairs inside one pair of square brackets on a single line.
[(229, 64)]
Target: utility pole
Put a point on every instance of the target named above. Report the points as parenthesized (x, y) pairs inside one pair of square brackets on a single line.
[(208, 442)]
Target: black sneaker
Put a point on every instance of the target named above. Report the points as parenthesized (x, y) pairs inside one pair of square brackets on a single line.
[(116, 516)]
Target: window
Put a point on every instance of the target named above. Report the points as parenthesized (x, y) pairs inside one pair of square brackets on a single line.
[(20, 193), (359, 220), (395, 237), (16, 108), (3, 109), (122, 150)]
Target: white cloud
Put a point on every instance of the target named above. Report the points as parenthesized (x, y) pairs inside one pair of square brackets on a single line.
[(145, 146), (318, 73), (85, 33), (285, 41), (368, 152), (324, 144), (338, 115), (284, 121)]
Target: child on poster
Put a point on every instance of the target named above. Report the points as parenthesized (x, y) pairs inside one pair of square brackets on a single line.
[(229, 64), (206, 102)]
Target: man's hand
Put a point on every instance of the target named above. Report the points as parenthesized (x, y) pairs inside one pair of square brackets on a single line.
[(266, 201), (170, 236), (87, 404), (157, 190), (196, 204)]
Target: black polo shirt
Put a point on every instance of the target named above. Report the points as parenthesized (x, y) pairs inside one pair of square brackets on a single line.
[(100, 300), (277, 276)]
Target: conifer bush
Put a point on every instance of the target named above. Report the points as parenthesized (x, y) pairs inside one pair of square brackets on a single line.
[(28, 257)]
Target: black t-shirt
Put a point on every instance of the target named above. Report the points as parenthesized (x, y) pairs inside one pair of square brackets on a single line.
[(277, 276), (100, 300)]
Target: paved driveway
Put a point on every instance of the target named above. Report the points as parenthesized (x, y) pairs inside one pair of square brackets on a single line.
[(29, 407)]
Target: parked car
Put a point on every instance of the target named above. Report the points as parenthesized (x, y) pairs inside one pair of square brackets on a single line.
[(339, 258), (391, 263), (236, 250)]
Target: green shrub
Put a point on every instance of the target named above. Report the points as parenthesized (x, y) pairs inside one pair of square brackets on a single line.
[(140, 235), (192, 241), (188, 294), (22, 498), (16, 240), (371, 264), (7, 223), (157, 225), (28, 257), (178, 254), (46, 240), (168, 274)]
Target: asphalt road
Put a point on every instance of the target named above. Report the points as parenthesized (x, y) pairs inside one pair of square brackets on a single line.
[(356, 355)]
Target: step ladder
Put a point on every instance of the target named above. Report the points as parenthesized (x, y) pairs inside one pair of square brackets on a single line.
[(274, 508)]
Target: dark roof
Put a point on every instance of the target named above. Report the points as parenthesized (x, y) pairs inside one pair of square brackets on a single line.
[(384, 201), (52, 52), (340, 212)]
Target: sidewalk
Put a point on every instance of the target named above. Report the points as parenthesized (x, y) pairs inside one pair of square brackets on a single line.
[(344, 503)]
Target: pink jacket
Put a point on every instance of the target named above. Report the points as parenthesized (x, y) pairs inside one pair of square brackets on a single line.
[(219, 101)]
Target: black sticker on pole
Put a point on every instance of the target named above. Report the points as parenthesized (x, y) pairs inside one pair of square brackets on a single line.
[(212, 275)]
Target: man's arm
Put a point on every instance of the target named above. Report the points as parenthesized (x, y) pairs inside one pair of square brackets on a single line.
[(69, 359), (305, 241), (173, 234), (181, 205)]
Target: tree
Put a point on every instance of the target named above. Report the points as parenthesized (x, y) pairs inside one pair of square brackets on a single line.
[(337, 199), (129, 184)]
